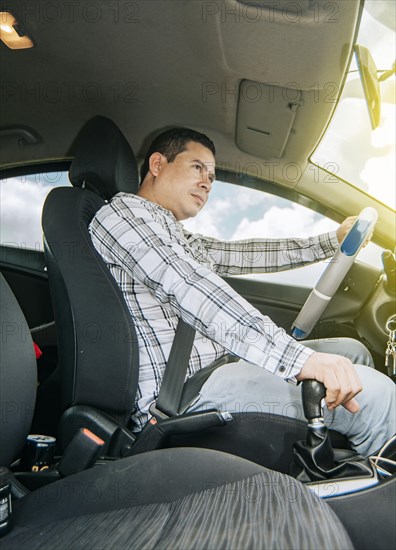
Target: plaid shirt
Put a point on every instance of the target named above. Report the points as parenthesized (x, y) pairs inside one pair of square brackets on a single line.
[(166, 273)]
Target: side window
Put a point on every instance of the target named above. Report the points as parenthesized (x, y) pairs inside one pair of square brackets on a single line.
[(22, 199), (234, 212)]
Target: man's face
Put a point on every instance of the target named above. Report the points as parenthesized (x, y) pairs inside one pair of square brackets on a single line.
[(183, 186)]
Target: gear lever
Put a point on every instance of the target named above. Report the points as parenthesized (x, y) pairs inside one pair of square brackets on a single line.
[(313, 392), (314, 458)]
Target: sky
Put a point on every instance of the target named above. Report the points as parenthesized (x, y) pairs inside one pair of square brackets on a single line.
[(21, 203), (365, 157)]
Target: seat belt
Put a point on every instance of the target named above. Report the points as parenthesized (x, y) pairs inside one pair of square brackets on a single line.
[(171, 389), (166, 419)]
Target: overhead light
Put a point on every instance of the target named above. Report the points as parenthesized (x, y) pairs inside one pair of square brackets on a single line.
[(6, 28), (12, 32)]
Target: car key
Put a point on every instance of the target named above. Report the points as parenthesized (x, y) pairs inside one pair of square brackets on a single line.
[(390, 352)]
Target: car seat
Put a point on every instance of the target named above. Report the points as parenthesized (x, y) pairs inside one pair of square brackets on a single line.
[(97, 342), (172, 498)]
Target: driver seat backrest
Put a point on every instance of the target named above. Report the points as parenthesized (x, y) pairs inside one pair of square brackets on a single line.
[(98, 352)]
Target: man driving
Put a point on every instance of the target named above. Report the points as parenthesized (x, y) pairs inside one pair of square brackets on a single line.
[(167, 273)]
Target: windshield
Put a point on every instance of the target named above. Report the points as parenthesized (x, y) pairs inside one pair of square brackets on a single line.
[(362, 156)]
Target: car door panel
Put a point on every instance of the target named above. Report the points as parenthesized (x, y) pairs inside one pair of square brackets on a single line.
[(24, 271)]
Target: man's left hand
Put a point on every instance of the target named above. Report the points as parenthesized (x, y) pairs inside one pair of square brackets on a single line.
[(345, 227)]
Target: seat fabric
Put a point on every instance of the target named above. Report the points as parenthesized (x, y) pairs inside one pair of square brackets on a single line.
[(226, 503), (98, 351), (18, 376)]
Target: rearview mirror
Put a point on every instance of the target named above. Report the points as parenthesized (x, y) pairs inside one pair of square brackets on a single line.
[(370, 83)]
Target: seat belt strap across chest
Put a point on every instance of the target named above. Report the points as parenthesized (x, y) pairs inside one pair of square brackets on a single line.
[(169, 397)]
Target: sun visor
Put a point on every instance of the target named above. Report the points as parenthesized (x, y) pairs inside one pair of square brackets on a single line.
[(265, 118), (283, 6)]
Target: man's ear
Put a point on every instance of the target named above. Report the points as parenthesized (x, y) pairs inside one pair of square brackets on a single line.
[(155, 162)]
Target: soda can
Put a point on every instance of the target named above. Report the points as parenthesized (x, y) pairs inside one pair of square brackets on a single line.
[(38, 453), (5, 508)]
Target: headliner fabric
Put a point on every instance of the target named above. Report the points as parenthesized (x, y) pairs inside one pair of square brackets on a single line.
[(266, 510)]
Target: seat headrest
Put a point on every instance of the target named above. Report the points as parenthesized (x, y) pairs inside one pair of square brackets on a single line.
[(104, 161)]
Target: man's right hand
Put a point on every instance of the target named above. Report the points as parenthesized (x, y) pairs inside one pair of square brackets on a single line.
[(338, 376)]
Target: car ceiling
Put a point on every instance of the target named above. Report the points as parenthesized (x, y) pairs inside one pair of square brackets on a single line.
[(153, 64)]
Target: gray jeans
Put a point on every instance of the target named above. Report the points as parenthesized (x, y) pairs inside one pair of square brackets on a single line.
[(243, 387)]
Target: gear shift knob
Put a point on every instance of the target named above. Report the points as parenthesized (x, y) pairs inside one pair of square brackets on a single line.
[(317, 437), (312, 394)]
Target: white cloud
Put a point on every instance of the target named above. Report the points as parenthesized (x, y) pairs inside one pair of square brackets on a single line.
[(205, 225), (210, 221), (249, 197), (384, 135), (379, 174), (293, 221), (21, 206)]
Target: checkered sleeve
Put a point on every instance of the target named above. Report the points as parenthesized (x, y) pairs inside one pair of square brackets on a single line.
[(152, 257), (263, 255)]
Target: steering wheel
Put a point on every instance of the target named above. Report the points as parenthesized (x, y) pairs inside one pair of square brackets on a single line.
[(334, 273)]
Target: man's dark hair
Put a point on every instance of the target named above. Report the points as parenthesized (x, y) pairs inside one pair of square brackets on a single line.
[(172, 142)]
